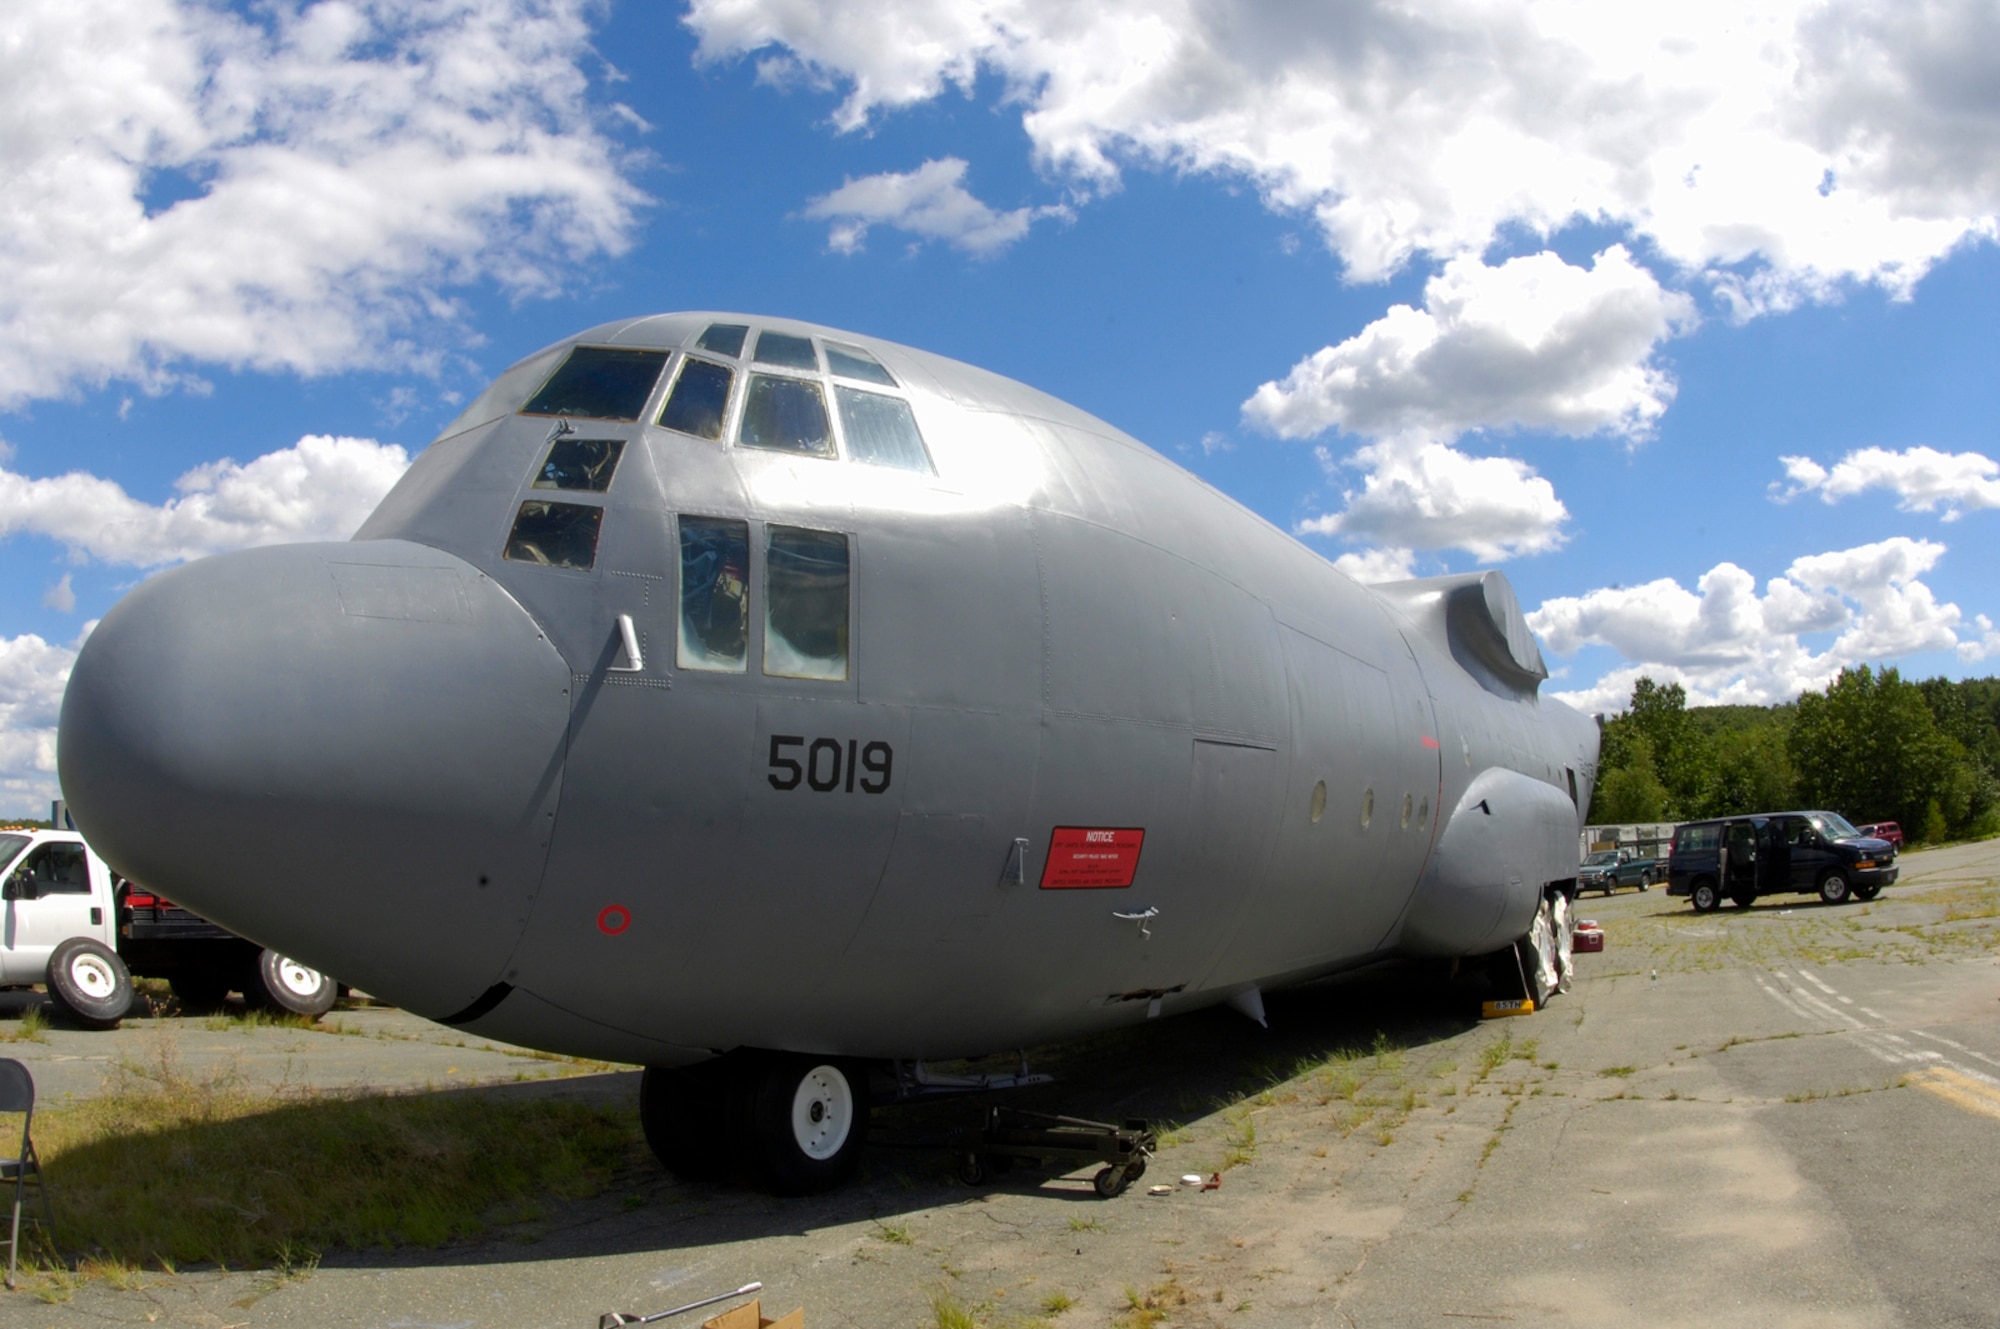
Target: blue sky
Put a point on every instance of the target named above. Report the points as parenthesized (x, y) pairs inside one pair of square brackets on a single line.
[(1682, 316)]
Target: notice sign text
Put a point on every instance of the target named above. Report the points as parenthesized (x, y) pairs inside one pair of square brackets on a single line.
[(1092, 857)]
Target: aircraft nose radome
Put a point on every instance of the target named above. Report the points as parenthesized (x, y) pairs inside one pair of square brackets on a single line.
[(348, 752)]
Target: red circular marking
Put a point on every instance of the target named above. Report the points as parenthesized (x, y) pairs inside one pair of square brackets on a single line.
[(614, 919)]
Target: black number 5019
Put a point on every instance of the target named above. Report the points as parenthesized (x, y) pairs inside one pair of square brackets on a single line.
[(824, 766)]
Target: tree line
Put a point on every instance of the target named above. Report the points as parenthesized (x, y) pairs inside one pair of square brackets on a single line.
[(1872, 747)]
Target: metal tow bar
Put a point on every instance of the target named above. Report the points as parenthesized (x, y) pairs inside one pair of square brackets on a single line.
[(612, 1319)]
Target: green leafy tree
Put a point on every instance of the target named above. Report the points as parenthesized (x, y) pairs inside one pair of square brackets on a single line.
[(1653, 756), (1871, 749), (1753, 771), (1630, 791)]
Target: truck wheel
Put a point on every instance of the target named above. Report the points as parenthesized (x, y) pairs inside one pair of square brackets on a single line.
[(1705, 897), (89, 983), (290, 986), (1833, 888), (199, 991)]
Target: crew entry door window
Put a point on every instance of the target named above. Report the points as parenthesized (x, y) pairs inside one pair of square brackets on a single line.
[(714, 595), (805, 604)]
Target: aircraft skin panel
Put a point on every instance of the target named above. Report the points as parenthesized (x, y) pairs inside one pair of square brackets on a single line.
[(1056, 629)]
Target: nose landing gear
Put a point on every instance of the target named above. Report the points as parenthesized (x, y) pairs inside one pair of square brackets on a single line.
[(795, 1123)]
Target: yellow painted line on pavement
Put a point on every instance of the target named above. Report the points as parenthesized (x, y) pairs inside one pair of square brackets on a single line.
[(1958, 1090)]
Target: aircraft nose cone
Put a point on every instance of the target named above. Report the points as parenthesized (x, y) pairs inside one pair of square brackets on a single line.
[(348, 752)]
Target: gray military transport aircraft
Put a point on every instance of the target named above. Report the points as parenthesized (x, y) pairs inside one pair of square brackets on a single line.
[(762, 704)]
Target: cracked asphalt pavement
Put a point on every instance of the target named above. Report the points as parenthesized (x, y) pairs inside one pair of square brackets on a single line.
[(1775, 1116)]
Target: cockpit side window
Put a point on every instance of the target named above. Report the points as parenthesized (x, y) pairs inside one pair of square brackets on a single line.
[(853, 362), (881, 430), (580, 463), (805, 603), (699, 401), (786, 351), (600, 383), (714, 594), (724, 339), (503, 394), (785, 415), (555, 535)]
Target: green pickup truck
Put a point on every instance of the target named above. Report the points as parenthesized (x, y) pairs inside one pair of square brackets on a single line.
[(1608, 869)]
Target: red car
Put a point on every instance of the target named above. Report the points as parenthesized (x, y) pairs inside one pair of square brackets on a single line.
[(1885, 830)]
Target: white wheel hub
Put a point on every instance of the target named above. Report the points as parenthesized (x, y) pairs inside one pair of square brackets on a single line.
[(822, 1112), (299, 980), (92, 976)]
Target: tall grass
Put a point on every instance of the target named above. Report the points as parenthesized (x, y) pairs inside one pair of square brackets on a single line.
[(168, 1169)]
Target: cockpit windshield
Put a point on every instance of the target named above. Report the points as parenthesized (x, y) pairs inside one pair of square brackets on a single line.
[(600, 383)]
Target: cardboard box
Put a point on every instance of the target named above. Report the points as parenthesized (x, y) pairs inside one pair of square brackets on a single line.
[(751, 1316)]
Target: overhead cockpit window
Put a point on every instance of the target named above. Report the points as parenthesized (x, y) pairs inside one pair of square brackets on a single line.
[(786, 351), (555, 535), (699, 401), (853, 362), (600, 383), (715, 594), (786, 415), (724, 339), (580, 463), (805, 604), (881, 431)]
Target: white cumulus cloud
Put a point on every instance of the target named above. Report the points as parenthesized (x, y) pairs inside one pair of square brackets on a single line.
[(930, 202), (1428, 496), (1532, 342), (33, 673), (1727, 644), (1776, 146), (1378, 564), (301, 188), (320, 488), (1922, 479)]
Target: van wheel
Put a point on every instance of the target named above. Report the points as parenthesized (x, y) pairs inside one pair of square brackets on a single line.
[(1705, 897), (290, 986), (89, 983), (1833, 888), (1743, 899), (1866, 892)]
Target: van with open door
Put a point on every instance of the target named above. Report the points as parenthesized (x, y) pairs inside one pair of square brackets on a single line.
[(1742, 858)]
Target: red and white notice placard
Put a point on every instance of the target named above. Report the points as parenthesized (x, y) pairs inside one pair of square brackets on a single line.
[(1092, 857)]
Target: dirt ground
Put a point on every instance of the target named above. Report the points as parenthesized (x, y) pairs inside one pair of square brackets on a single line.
[(1775, 1116)]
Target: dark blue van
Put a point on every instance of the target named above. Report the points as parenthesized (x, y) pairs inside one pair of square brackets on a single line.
[(1777, 853)]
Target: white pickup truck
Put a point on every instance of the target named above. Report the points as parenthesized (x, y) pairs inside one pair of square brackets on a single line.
[(66, 921)]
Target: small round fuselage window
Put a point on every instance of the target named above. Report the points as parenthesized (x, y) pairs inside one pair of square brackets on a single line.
[(1367, 808), (1406, 812), (1319, 802)]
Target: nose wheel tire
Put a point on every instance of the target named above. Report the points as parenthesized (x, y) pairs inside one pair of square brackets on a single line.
[(807, 1119), (284, 984), (684, 1114), (89, 983)]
